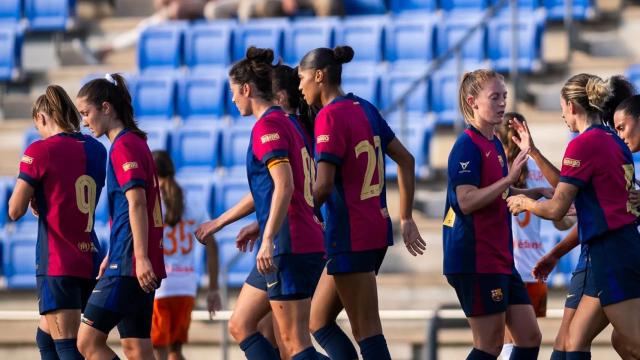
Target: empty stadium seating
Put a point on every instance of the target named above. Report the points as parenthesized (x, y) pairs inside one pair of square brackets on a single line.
[(19, 260), (581, 9), (464, 5), (199, 192), (365, 35), (633, 74), (444, 99), (365, 85), (202, 98), (153, 98), (158, 135), (453, 27), (102, 210), (5, 193), (194, 148), (364, 7), (10, 12), (529, 41), (237, 264), (410, 7), (49, 15), (208, 46), (303, 35), (229, 191), (397, 82), (415, 134), (262, 33), (410, 39), (235, 142), (160, 48), (10, 53)]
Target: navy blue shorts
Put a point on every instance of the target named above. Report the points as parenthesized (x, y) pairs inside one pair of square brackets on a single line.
[(615, 262), (63, 292), (120, 301), (581, 284), (296, 276), (485, 294), (355, 261)]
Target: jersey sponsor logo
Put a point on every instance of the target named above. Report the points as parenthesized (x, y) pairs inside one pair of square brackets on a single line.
[(496, 295), (27, 159), (87, 246), (464, 166), (113, 266), (270, 285), (526, 244), (129, 165), (269, 137), (571, 162), (322, 139)]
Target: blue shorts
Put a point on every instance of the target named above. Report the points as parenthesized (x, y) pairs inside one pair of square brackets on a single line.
[(119, 301), (485, 294), (296, 276), (581, 284), (63, 292), (355, 261), (615, 262)]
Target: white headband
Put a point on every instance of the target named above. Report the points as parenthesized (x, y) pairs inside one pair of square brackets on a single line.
[(110, 79)]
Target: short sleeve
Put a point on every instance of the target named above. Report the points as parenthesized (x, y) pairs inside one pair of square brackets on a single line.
[(330, 142), (577, 166), (269, 140), (384, 131), (464, 166), (128, 165), (33, 163)]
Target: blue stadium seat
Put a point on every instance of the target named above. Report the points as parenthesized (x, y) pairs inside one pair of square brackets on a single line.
[(20, 260), (365, 85), (10, 53), (464, 5), (633, 74), (202, 98), (454, 26), (153, 98), (235, 142), (10, 12), (30, 136), (307, 34), (525, 6), (199, 191), (529, 43), (158, 135), (102, 209), (229, 191), (364, 7), (5, 194), (49, 15), (410, 39), (208, 45), (262, 33), (410, 7), (160, 48), (365, 35), (237, 264), (444, 99), (415, 135), (394, 84), (194, 148), (582, 9)]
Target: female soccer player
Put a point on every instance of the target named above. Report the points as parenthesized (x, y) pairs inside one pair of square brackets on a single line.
[(599, 179), (175, 298), (290, 256), (134, 267), (580, 333), (62, 175), (351, 140), (478, 254)]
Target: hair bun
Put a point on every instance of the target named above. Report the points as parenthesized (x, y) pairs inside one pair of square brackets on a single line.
[(598, 92), (343, 54), (260, 55)]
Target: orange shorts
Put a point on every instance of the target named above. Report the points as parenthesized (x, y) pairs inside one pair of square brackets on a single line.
[(538, 295), (171, 320)]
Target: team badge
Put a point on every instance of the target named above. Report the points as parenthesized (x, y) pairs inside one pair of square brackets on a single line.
[(27, 159), (496, 295), (571, 162), (501, 160), (322, 139), (129, 165), (269, 137)]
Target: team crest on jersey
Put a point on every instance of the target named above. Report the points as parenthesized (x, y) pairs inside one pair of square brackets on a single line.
[(129, 165), (27, 159), (87, 246), (269, 137), (571, 162), (385, 212), (322, 139), (501, 160), (496, 295)]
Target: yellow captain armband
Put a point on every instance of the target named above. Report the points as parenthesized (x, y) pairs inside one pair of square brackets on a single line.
[(276, 161)]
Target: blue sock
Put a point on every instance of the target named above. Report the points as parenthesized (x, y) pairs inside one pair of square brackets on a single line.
[(578, 355), (558, 355), (476, 354), (256, 347), (46, 345), (335, 342), (67, 349), (524, 353), (306, 354), (374, 347)]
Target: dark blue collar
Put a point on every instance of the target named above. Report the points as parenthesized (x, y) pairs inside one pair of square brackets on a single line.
[(270, 110)]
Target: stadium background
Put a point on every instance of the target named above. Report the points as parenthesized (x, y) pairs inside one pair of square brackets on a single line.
[(177, 76)]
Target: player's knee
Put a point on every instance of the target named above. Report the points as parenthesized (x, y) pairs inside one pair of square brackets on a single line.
[(576, 342), (316, 323), (238, 329), (87, 346)]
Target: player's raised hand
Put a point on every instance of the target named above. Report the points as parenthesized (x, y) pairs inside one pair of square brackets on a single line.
[(146, 277), (412, 238), (518, 203), (544, 267), (264, 258), (516, 166), (214, 302), (247, 237), (524, 139), (205, 231)]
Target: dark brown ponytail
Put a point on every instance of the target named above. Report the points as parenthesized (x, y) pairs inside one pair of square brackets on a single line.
[(172, 195)]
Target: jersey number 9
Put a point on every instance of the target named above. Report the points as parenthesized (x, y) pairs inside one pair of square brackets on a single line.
[(86, 198)]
